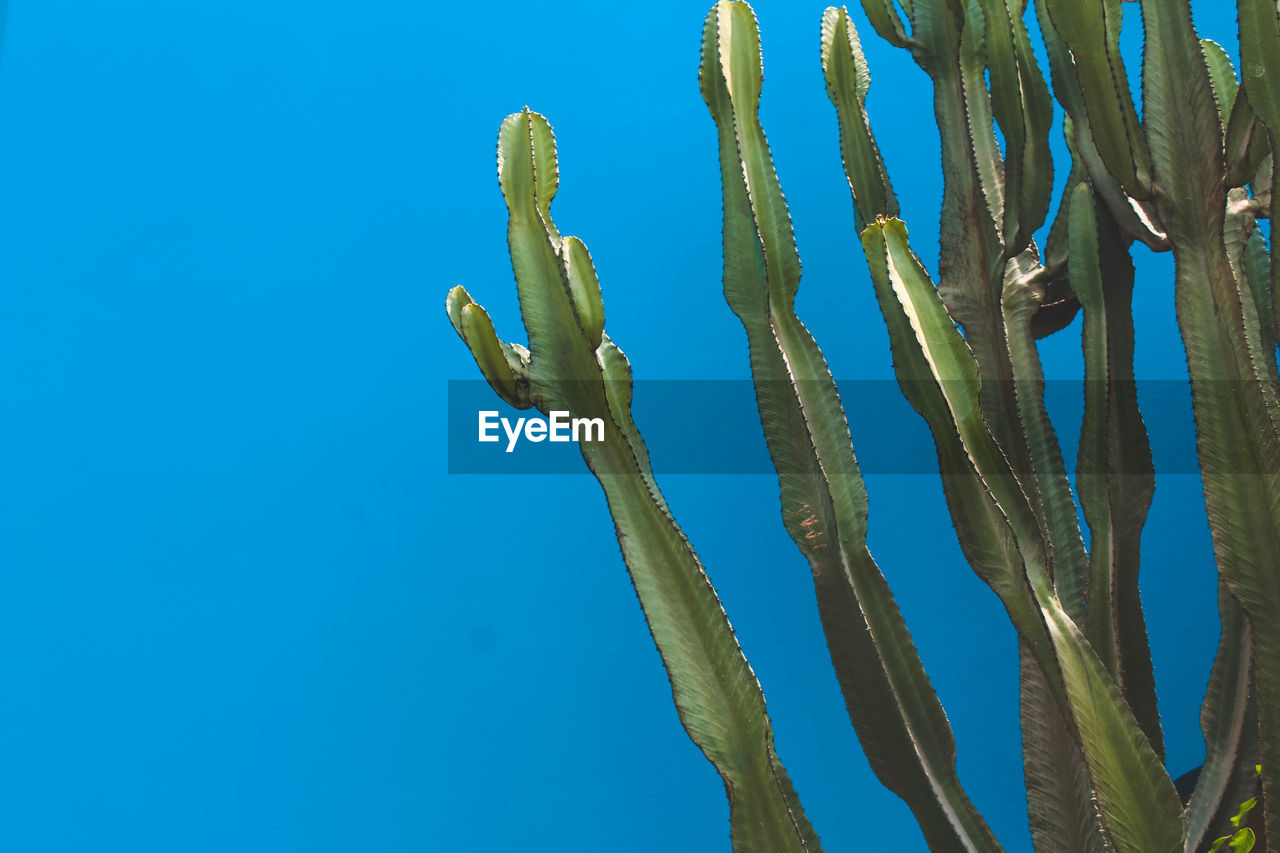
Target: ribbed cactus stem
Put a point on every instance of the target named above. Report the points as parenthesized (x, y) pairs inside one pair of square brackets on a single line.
[(571, 365)]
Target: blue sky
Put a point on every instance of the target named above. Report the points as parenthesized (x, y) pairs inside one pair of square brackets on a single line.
[(247, 608)]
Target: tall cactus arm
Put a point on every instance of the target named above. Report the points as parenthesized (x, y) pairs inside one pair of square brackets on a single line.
[(1260, 74), (1260, 58), (1060, 804), (1229, 721), (1090, 29), (1247, 144), (987, 159), (1246, 248), (893, 707), (1261, 277), (972, 251), (1235, 406), (1060, 800), (1017, 183), (1116, 484), (1021, 106), (848, 79), (1114, 473), (1250, 264), (1243, 211), (1046, 481), (1059, 796), (989, 207), (985, 536), (942, 386), (1138, 219), (572, 366), (1270, 302), (953, 368), (1059, 793), (1136, 798), (1056, 245)]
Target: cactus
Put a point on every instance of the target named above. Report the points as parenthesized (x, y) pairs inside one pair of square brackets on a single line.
[(1192, 174)]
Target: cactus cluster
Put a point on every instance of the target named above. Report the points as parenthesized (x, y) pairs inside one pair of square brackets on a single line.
[(1193, 174)]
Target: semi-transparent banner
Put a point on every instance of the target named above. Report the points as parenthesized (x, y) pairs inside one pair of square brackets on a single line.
[(713, 427)]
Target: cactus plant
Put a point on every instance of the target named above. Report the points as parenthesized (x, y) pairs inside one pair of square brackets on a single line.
[(1192, 174)]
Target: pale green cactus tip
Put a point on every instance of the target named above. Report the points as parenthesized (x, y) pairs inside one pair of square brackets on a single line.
[(528, 174), (837, 29), (502, 364), (530, 133), (539, 140)]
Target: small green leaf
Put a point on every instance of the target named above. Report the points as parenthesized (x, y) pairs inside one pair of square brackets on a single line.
[(1245, 808), (1244, 840)]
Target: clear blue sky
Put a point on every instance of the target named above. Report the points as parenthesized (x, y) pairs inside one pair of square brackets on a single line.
[(245, 608)]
